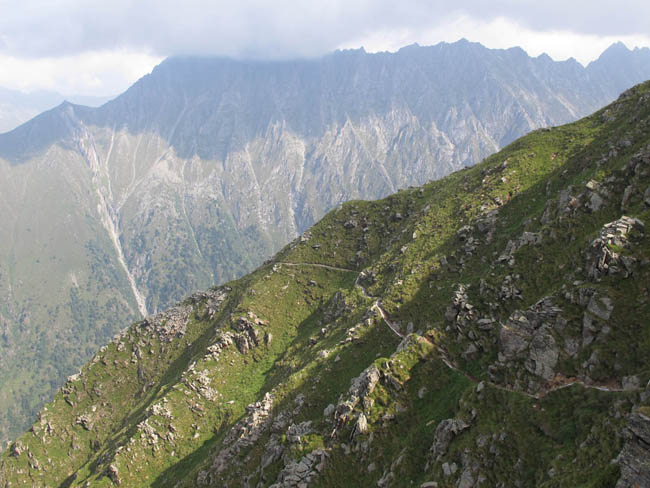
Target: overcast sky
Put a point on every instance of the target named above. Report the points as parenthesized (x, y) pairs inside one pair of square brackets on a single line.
[(100, 47)]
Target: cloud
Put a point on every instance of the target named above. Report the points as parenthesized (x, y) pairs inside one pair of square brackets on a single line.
[(88, 73), (279, 28), (94, 47)]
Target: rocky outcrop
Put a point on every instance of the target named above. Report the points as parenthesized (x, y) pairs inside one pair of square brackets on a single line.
[(446, 432), (634, 459), (114, 474), (527, 338), (526, 239), (460, 311), (595, 318), (298, 474), (170, 324), (245, 433), (362, 386), (604, 256), (249, 335)]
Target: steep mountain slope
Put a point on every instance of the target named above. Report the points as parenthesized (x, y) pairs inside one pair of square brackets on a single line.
[(208, 166), (487, 329)]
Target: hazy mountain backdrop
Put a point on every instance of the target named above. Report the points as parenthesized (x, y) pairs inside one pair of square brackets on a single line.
[(17, 107)]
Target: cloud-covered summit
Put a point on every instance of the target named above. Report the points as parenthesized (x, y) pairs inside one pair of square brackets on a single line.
[(98, 48)]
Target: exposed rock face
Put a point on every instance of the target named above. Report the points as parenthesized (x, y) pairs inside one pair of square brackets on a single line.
[(361, 387), (244, 433), (527, 238), (602, 258), (298, 474), (527, 337), (599, 310), (634, 459), (446, 431)]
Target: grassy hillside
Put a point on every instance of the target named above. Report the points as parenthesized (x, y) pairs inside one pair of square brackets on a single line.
[(487, 329)]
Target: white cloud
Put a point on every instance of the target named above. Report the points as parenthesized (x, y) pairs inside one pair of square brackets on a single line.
[(88, 73), (99, 47), (281, 28)]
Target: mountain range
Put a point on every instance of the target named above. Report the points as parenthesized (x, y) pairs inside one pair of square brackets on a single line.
[(487, 329), (18, 107), (205, 167)]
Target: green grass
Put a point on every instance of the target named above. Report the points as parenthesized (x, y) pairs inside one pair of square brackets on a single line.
[(323, 333)]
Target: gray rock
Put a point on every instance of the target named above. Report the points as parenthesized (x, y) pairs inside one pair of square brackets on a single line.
[(543, 354), (630, 383), (601, 259), (470, 350), (296, 431), (634, 458), (113, 474), (595, 202), (449, 469), (571, 346), (627, 193), (329, 410), (601, 307), (243, 434), (446, 431), (361, 426), (527, 336), (466, 479), (16, 449), (272, 454), (85, 421)]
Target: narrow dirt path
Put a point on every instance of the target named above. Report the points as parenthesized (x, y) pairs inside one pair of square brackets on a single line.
[(443, 355), (384, 316), (316, 265)]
